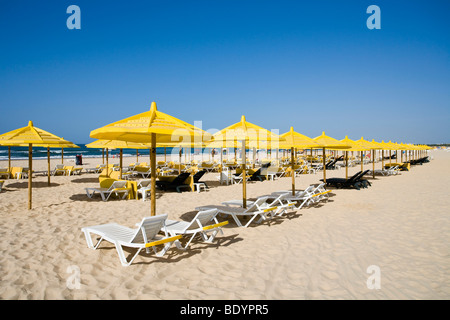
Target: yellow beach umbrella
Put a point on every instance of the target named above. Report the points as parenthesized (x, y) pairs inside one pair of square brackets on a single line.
[(31, 135), (249, 135), (386, 146), (151, 127), (327, 142), (354, 146), (380, 147), (370, 146), (293, 140), (392, 146)]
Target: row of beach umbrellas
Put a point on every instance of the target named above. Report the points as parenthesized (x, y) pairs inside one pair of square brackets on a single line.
[(154, 128)]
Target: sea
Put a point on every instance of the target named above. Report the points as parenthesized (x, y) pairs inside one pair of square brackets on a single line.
[(21, 153)]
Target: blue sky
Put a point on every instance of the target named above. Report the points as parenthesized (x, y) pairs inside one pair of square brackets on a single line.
[(311, 65)]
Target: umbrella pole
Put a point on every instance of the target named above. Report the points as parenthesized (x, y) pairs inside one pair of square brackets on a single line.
[(30, 170), (107, 163), (62, 155), (221, 165), (382, 159), (346, 165), (179, 160), (362, 161), (137, 155), (9, 159), (244, 179), (48, 165), (121, 163), (324, 169), (292, 171), (103, 155), (373, 164), (153, 174)]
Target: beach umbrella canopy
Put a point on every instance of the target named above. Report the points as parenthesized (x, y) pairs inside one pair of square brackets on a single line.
[(367, 144), (31, 135), (293, 140), (354, 146), (370, 146), (151, 127), (249, 135), (327, 142)]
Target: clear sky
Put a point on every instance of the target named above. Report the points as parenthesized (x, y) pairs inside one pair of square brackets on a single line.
[(313, 65)]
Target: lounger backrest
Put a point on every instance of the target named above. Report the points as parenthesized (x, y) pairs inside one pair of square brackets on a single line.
[(180, 178), (60, 166), (355, 176), (198, 175), (362, 174), (118, 185), (149, 228), (204, 217), (309, 189), (278, 200), (144, 183), (255, 206)]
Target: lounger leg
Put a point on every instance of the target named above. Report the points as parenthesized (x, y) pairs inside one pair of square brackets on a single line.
[(263, 217), (103, 196), (123, 259), (189, 242), (163, 250), (236, 220), (90, 244), (89, 194), (211, 238)]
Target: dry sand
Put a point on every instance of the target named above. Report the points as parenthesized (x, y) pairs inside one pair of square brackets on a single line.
[(400, 224)]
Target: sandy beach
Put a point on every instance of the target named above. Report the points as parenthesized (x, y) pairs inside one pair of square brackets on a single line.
[(400, 225)]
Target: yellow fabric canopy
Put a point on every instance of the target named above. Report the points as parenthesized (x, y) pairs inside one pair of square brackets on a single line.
[(294, 139), (377, 144), (367, 144), (33, 135), (253, 135), (327, 142), (139, 128), (354, 146)]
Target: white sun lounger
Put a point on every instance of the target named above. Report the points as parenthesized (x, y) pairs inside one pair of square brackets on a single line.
[(279, 204), (118, 187), (200, 224), (254, 210), (144, 237)]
